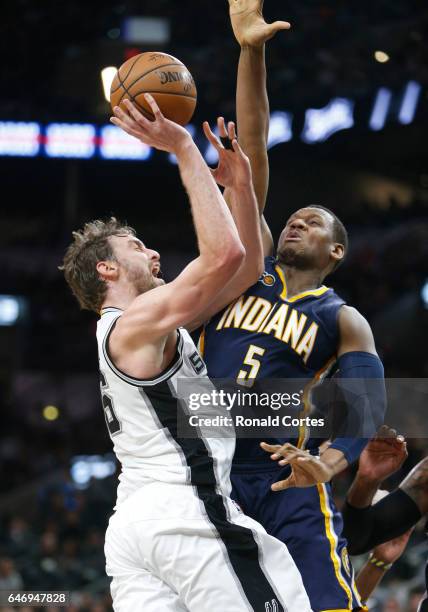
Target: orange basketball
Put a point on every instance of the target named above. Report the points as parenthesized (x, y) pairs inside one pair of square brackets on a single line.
[(161, 75)]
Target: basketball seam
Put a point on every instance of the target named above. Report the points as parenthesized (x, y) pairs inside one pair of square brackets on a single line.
[(145, 74), (166, 93), (127, 74), (142, 110)]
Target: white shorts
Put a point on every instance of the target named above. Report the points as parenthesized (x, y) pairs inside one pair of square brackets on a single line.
[(176, 548)]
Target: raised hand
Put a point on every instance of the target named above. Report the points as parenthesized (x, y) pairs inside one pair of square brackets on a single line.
[(306, 470), (248, 23), (383, 456), (161, 133), (233, 170)]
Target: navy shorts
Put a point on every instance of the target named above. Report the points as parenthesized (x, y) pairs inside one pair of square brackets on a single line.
[(308, 522)]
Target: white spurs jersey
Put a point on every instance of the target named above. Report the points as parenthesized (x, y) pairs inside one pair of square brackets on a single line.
[(141, 417)]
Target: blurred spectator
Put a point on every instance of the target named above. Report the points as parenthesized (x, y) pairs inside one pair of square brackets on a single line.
[(10, 578)]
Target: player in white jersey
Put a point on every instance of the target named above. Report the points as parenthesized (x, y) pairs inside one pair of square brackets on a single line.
[(176, 540)]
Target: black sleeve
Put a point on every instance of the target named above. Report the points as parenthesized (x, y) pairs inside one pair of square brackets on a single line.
[(365, 528)]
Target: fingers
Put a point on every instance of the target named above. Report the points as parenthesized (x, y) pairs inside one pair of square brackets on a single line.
[(231, 131), (293, 456), (133, 124), (132, 131), (270, 448), (211, 137), (221, 125), (277, 26), (153, 105), (390, 436), (123, 117), (284, 484), (386, 432), (237, 148), (134, 116), (227, 136), (286, 450), (135, 113)]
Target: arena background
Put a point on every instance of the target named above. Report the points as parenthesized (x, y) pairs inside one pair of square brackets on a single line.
[(365, 156)]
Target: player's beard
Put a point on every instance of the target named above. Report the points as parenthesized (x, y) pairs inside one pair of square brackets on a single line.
[(142, 280), (294, 258)]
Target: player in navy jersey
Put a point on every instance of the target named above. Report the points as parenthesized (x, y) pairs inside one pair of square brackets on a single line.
[(290, 325)]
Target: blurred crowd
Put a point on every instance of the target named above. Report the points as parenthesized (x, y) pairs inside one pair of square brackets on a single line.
[(55, 542), (52, 531), (328, 52)]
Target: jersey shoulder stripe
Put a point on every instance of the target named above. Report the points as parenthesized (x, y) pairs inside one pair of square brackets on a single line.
[(143, 382)]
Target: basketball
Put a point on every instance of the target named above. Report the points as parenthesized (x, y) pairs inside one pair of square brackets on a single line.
[(164, 77)]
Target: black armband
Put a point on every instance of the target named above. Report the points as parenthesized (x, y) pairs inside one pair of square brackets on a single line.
[(366, 528)]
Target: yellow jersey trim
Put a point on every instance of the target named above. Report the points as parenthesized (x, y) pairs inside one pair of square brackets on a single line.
[(306, 405), (328, 522), (363, 608), (201, 343), (298, 296), (313, 292), (283, 294)]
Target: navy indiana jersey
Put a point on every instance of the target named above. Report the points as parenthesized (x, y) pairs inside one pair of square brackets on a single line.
[(264, 334)]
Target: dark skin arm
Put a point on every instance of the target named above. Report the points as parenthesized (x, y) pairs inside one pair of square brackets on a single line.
[(382, 457), (355, 332), (382, 464), (416, 485), (308, 470), (252, 104), (370, 575)]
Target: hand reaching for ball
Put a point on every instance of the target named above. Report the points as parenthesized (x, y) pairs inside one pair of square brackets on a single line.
[(234, 169), (162, 134)]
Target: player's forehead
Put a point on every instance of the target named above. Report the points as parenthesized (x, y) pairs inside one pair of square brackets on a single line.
[(125, 240), (311, 212)]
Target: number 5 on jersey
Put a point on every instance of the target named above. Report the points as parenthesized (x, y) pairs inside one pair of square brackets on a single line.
[(247, 377), (113, 423)]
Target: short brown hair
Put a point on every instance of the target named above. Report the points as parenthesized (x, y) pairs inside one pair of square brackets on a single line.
[(91, 245)]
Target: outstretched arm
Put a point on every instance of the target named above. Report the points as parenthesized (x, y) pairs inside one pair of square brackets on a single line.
[(234, 173), (252, 103), (154, 314)]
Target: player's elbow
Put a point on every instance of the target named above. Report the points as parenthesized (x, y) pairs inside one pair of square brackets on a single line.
[(232, 258)]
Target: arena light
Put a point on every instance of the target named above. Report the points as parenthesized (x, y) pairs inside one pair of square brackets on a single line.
[(380, 109), (107, 76), (146, 30), (12, 310), (280, 129), (86, 467), (19, 139), (409, 104), (74, 140), (424, 294), (321, 123), (381, 57), (50, 413), (117, 144)]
